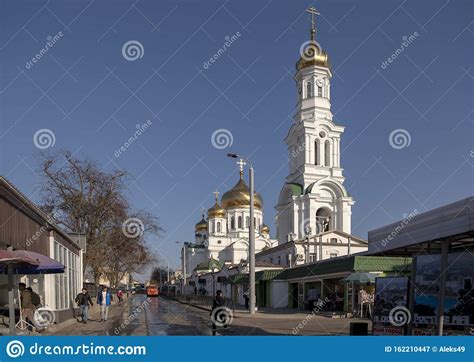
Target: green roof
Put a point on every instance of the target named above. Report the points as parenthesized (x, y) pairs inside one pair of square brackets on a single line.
[(296, 189), (348, 264), (260, 276), (209, 265)]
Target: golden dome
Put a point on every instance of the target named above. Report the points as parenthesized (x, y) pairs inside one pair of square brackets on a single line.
[(216, 211), (239, 196), (201, 225), (313, 54), (265, 229)]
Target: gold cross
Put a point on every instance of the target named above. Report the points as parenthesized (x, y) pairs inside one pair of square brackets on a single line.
[(216, 194), (241, 164), (312, 10)]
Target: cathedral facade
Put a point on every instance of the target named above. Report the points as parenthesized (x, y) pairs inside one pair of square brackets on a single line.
[(222, 238)]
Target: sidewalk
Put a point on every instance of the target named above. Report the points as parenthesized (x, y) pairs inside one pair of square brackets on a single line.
[(93, 327), (285, 321)]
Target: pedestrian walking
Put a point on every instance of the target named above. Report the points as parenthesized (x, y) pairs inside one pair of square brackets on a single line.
[(217, 303), (83, 300), (120, 296), (27, 307), (246, 298), (104, 301)]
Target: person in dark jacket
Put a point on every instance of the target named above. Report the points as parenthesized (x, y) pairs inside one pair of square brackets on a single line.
[(83, 300), (217, 305)]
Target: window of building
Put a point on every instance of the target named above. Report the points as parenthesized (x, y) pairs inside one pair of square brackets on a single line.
[(232, 222), (333, 255), (218, 227), (316, 152), (312, 257), (279, 260), (219, 241), (320, 91), (247, 221), (327, 153), (239, 222), (309, 89), (333, 240)]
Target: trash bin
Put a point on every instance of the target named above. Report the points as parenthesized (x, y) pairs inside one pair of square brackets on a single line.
[(359, 329)]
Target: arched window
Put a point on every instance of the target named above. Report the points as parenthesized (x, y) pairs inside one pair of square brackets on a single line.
[(247, 221), (320, 91), (218, 226), (323, 220), (232, 222), (316, 152), (239, 222), (327, 154), (309, 89)]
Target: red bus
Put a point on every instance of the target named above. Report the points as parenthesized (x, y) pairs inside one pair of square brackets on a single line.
[(152, 291)]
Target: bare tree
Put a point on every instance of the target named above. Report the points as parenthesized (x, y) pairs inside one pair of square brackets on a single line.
[(85, 199)]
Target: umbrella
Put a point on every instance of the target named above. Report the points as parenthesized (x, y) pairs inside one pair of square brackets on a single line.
[(361, 278), (10, 261), (44, 264)]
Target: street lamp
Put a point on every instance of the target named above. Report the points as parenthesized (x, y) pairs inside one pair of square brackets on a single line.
[(183, 287), (251, 234)]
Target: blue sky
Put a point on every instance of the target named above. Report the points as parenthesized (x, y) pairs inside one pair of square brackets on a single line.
[(91, 98)]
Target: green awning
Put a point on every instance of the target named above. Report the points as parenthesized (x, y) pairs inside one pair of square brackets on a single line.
[(260, 276), (349, 264), (209, 265)]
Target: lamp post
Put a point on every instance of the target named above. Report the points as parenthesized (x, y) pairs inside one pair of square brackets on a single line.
[(183, 289), (251, 234)]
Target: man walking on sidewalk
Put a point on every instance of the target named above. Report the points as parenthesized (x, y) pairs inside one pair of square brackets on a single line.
[(103, 300), (83, 300), (218, 304)]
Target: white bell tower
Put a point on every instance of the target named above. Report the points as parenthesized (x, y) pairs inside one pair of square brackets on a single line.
[(313, 198)]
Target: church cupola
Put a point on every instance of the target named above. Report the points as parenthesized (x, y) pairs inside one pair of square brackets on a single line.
[(313, 71), (201, 226), (217, 218), (311, 53)]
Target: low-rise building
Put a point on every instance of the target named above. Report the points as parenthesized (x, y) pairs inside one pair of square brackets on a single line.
[(24, 226)]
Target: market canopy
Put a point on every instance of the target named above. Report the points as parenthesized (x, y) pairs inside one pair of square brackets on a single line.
[(453, 222), (33, 263)]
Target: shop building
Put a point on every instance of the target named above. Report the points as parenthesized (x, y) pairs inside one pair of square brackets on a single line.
[(23, 226)]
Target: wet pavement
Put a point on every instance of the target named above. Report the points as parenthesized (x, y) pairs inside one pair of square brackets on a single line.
[(159, 316)]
